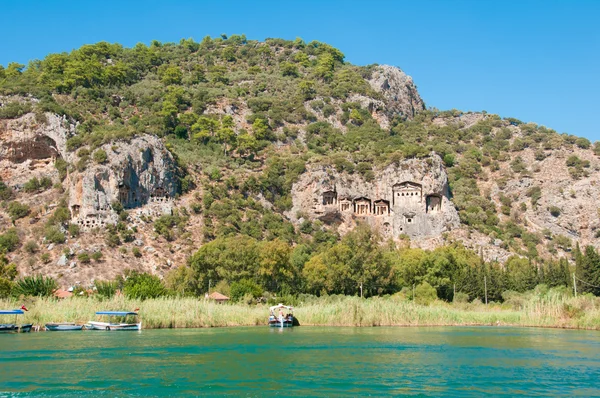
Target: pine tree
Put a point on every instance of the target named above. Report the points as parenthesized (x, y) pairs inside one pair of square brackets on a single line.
[(589, 272)]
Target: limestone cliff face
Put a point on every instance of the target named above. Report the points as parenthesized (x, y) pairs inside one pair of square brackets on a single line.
[(139, 173), (28, 146), (407, 199), (398, 89)]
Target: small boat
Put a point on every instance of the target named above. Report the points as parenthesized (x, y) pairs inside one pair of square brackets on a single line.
[(14, 327), (122, 316), (63, 327), (277, 318)]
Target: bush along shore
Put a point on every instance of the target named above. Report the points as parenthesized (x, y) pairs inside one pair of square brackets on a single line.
[(541, 307)]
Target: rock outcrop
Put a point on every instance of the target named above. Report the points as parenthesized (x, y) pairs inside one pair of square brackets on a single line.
[(410, 198), (28, 147), (398, 89), (138, 173)]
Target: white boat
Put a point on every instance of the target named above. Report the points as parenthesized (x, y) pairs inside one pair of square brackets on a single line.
[(279, 319), (14, 327), (63, 327), (117, 321)]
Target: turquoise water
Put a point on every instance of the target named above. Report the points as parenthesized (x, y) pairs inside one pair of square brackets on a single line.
[(304, 361)]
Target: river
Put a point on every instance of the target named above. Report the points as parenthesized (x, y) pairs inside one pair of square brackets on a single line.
[(303, 361)]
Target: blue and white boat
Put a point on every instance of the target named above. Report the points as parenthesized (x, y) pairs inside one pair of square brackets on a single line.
[(281, 316), (14, 327), (118, 320)]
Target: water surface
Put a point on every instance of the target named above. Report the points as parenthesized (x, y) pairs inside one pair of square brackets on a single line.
[(304, 361)]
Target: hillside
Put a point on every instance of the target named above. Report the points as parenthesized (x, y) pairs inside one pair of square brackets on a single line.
[(272, 162)]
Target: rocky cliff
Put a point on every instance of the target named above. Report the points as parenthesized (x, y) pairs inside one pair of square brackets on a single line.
[(398, 89), (406, 199), (29, 145), (139, 174)]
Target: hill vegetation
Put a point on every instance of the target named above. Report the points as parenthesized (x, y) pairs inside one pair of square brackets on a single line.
[(243, 119)]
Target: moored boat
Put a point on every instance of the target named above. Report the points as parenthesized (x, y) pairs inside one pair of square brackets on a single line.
[(120, 321), (279, 319), (14, 327), (63, 327)]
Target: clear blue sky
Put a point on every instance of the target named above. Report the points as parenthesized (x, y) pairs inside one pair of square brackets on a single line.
[(534, 60)]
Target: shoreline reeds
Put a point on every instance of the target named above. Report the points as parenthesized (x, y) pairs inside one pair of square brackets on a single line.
[(174, 312)]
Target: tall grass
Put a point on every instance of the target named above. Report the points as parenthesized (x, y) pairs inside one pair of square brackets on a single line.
[(551, 309)]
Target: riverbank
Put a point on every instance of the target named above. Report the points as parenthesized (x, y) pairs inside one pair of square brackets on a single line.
[(547, 311)]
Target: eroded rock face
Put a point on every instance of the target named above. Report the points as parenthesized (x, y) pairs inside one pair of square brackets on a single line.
[(399, 91), (138, 173), (407, 199), (28, 147)]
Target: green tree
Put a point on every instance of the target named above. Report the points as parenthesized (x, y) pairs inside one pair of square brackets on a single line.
[(171, 75), (183, 281), (243, 288), (588, 272), (274, 267), (231, 259), (143, 286)]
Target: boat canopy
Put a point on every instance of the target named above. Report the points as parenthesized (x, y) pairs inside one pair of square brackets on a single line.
[(273, 308), (11, 312), (116, 313)]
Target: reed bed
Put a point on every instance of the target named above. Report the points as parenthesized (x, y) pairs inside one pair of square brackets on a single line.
[(169, 312)]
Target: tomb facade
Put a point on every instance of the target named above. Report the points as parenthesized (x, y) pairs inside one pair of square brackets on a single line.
[(410, 198), (141, 174)]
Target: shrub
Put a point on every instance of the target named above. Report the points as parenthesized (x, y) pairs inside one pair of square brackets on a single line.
[(100, 156), (45, 258), (9, 240), (461, 297), (449, 160), (136, 252), (143, 286), (60, 216), (106, 289), (96, 256), (563, 242), (112, 237), (61, 166), (12, 110), (164, 225), (45, 183), (196, 207), (535, 193), (84, 258), (425, 294), (74, 230), (555, 211), (583, 143), (17, 210), (5, 191), (33, 185), (31, 247), (6, 287), (35, 286), (214, 174), (53, 234)]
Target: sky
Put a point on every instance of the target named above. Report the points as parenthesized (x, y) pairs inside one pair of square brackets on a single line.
[(537, 61)]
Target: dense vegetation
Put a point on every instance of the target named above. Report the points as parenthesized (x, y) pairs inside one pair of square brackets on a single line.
[(296, 110), (358, 264)]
